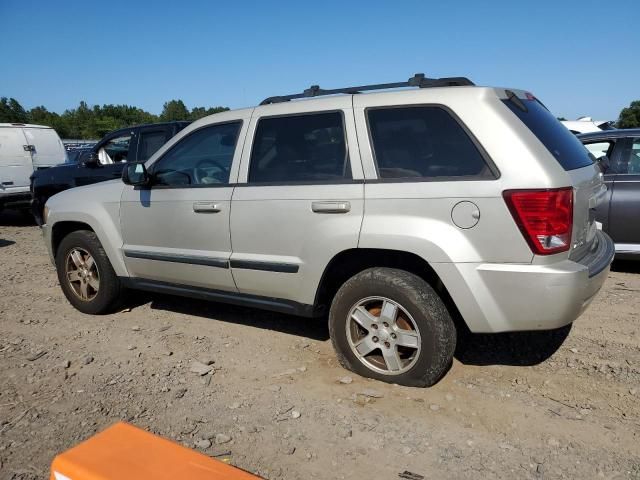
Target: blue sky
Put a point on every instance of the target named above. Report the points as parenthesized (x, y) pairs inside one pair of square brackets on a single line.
[(578, 57)]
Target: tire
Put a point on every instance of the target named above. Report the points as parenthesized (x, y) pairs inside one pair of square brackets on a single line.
[(419, 343), (101, 297)]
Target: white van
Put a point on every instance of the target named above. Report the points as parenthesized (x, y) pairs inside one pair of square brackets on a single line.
[(23, 149)]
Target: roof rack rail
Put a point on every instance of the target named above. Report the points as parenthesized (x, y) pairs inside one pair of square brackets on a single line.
[(418, 80)]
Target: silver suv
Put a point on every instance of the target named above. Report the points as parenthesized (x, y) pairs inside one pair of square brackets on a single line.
[(393, 212)]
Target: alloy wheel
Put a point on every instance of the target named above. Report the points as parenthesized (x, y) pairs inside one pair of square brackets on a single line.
[(383, 335), (82, 274)]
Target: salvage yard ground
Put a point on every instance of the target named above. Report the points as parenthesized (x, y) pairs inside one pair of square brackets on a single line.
[(269, 396)]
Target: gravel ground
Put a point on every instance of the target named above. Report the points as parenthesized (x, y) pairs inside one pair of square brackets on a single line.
[(274, 401)]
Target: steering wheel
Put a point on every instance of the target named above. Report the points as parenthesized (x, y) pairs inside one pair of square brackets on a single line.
[(200, 170)]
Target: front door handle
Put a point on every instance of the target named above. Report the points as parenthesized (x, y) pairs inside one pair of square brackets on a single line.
[(330, 207), (206, 207)]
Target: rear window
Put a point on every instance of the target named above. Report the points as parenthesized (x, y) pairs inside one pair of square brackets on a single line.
[(560, 142)]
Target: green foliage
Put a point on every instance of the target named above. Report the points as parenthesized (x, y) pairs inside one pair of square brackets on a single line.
[(177, 110), (86, 122), (174, 110), (11, 111), (199, 112), (630, 116)]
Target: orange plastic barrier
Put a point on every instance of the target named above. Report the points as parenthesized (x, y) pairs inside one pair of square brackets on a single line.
[(124, 452)]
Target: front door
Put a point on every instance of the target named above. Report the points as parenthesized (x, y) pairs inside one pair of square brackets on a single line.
[(624, 213), (112, 156), (606, 152), (177, 231), (299, 200)]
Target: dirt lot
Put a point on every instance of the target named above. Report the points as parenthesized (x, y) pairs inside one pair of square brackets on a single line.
[(274, 405)]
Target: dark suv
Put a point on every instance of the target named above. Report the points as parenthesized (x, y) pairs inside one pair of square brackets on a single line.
[(618, 153), (104, 161)]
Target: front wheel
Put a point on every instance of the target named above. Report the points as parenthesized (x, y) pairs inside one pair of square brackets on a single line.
[(391, 325), (86, 275)]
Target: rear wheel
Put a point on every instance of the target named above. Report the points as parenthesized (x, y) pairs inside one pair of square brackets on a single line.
[(391, 325), (86, 275)]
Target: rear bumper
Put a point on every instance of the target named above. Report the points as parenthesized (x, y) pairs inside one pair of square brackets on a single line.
[(515, 297)]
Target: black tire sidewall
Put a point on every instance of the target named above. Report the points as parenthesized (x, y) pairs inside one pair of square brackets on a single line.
[(437, 330), (109, 292)]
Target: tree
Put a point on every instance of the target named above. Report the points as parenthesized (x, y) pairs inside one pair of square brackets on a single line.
[(630, 116), (174, 110), (85, 122), (12, 112), (199, 112)]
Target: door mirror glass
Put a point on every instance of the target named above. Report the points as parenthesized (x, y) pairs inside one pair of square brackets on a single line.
[(135, 174)]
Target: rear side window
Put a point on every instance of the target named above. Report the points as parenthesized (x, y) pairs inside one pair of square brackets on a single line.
[(300, 148), (423, 142), (560, 142)]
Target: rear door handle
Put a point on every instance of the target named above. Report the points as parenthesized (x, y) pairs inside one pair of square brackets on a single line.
[(206, 207), (330, 207)]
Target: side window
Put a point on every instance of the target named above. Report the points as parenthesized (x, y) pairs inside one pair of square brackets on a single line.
[(599, 149), (150, 143), (629, 161), (423, 142), (115, 150), (203, 157), (300, 148)]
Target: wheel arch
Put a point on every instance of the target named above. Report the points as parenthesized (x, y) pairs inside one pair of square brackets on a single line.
[(63, 227), (349, 262)]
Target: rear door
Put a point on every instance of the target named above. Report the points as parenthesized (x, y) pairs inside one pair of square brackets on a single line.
[(47, 148), (624, 213), (299, 200), (15, 159)]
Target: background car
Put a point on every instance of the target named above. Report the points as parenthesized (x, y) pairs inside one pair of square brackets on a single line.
[(104, 161), (618, 153), (25, 148), (586, 124)]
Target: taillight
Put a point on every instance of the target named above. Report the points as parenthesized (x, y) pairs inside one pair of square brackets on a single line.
[(545, 217)]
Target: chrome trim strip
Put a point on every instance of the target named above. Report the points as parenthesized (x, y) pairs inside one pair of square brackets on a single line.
[(188, 259), (265, 266), (627, 247)]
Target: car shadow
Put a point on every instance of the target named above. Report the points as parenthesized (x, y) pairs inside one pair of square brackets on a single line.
[(626, 266), (512, 348), (312, 328), (5, 243), (12, 218)]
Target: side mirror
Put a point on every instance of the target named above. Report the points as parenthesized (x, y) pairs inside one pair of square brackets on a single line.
[(136, 174), (92, 160), (603, 163)]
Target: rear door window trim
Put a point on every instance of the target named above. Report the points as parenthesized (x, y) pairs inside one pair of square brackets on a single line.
[(343, 181)]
